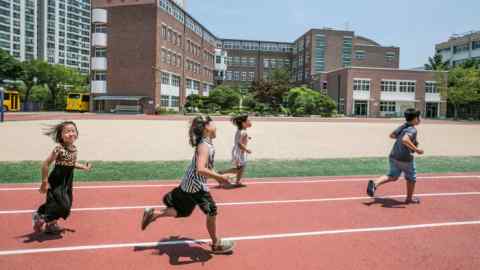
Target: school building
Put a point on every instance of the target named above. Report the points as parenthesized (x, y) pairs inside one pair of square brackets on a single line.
[(152, 53)]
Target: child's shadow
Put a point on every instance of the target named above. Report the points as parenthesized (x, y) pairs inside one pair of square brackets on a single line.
[(386, 202), (179, 250), (43, 237), (232, 186)]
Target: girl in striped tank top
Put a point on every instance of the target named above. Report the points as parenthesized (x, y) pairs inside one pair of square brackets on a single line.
[(193, 190), (240, 150)]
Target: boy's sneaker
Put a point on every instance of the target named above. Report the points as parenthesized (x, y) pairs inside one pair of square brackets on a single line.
[(147, 217), (371, 188), (53, 228), (223, 247), (413, 200), (37, 222)]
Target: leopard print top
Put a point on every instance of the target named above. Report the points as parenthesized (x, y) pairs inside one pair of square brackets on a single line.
[(65, 156)]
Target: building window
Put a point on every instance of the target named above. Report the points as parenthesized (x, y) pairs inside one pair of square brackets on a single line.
[(475, 44), (228, 75), (360, 55), (244, 76), (389, 86), (251, 76), (176, 80), (218, 59), (100, 52), (99, 76), (175, 101), (390, 56), (165, 78), (164, 101), (407, 87), (431, 87), (252, 62), (461, 48), (387, 106), (347, 51), (361, 85), (236, 75)]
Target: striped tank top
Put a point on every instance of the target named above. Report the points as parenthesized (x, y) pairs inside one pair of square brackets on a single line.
[(193, 182)]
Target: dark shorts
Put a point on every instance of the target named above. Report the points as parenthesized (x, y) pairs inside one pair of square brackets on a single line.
[(184, 203), (407, 168)]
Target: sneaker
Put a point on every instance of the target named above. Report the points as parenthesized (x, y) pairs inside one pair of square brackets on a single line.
[(53, 228), (37, 222), (371, 188), (223, 247), (147, 217), (413, 200)]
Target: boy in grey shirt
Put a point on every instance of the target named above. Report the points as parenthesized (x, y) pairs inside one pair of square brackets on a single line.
[(401, 157)]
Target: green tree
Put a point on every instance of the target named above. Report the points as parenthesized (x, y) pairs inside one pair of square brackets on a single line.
[(61, 80), (463, 87), (32, 73), (436, 63), (225, 97), (304, 101), (272, 90), (9, 66)]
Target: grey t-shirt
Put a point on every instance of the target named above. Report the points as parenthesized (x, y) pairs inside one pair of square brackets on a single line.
[(399, 151)]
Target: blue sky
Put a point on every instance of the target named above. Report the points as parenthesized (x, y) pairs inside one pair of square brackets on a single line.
[(413, 25)]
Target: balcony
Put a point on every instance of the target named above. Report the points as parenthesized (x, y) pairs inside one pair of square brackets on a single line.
[(99, 16), (99, 40), (99, 87), (99, 63)]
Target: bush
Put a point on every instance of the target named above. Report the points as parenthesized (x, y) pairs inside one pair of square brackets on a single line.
[(225, 97), (302, 101)]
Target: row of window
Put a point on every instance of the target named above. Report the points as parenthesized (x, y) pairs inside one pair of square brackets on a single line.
[(241, 61), (394, 86), (170, 79), (171, 35), (475, 45), (257, 46), (170, 58), (169, 101), (276, 63), (320, 46), (240, 76)]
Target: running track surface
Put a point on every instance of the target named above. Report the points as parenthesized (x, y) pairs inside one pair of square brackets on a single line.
[(284, 223)]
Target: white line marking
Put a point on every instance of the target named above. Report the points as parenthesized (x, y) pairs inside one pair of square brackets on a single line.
[(264, 182), (239, 238), (317, 200)]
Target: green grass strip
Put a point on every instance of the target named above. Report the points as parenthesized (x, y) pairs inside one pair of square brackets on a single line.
[(29, 171)]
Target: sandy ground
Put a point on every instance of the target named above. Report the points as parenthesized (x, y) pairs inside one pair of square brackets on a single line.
[(143, 140)]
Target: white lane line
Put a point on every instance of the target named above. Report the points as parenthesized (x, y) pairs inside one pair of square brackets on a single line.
[(263, 182), (316, 200), (141, 245)]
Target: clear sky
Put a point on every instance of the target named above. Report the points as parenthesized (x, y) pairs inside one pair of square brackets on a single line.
[(413, 25)]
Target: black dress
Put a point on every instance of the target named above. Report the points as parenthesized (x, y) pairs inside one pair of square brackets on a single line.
[(59, 195)]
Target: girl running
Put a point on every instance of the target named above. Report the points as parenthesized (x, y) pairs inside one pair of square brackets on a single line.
[(193, 189), (240, 150), (58, 185)]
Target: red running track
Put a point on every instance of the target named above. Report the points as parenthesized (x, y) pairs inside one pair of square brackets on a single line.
[(369, 238)]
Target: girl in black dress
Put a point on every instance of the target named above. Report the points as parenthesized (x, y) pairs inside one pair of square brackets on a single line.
[(58, 185)]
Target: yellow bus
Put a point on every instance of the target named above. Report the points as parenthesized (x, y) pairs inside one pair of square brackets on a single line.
[(11, 101), (79, 102)]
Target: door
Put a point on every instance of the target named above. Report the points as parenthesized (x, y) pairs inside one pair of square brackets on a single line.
[(361, 108), (431, 110)]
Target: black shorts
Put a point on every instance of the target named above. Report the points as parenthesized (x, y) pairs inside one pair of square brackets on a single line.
[(184, 203)]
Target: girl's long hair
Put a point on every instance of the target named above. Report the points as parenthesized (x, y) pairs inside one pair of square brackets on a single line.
[(197, 127)]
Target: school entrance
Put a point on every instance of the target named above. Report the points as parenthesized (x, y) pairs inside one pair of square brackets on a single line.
[(431, 109), (360, 108)]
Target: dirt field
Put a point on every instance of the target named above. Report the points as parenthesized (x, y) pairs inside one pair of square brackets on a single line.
[(154, 139)]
